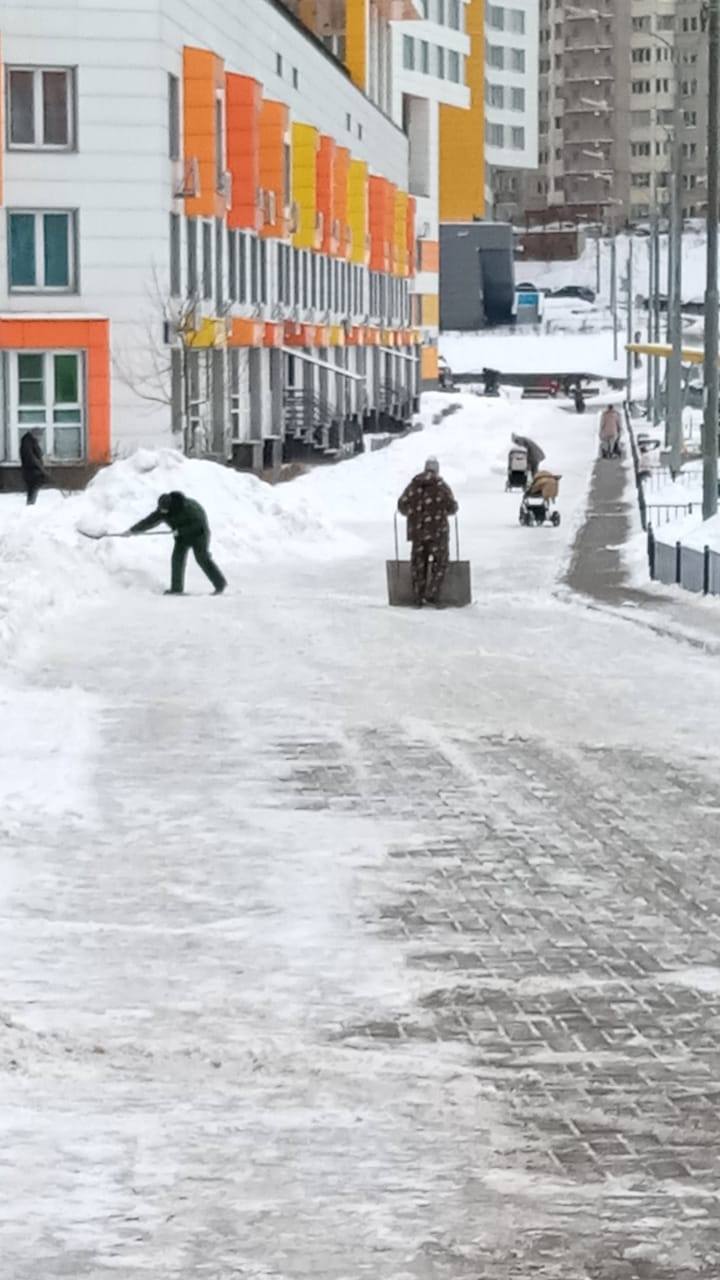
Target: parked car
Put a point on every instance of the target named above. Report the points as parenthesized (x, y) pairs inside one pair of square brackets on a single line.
[(574, 291), (526, 287)]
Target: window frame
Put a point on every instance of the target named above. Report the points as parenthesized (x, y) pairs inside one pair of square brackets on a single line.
[(50, 405), (73, 286), (38, 72)]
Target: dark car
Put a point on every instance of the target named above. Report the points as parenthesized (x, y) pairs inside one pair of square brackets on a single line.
[(526, 287), (574, 291)]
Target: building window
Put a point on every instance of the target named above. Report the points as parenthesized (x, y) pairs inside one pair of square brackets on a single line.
[(517, 21), (278, 64), (440, 62), (47, 395), (175, 256), (517, 138), (455, 15), (454, 66), (295, 78), (424, 57), (41, 251), (495, 56), (219, 265), (219, 143), (232, 265), (495, 95), (495, 135), (207, 239), (440, 12), (348, 122), (243, 266), (174, 117), (517, 101), (517, 59), (409, 53), (41, 108), (193, 276), (360, 132), (496, 17)]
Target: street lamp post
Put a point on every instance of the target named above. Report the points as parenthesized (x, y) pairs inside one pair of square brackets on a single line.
[(710, 419), (674, 374)]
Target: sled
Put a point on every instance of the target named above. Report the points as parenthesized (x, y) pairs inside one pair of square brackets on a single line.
[(456, 590)]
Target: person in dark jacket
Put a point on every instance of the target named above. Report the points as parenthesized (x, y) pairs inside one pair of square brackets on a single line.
[(535, 454), (427, 502), (189, 524), (32, 464)]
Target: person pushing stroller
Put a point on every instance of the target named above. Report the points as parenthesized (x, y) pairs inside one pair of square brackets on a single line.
[(535, 455)]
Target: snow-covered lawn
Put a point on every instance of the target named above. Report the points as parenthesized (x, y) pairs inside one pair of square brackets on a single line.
[(219, 820)]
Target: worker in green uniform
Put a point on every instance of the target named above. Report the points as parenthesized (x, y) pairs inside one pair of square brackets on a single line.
[(189, 524)]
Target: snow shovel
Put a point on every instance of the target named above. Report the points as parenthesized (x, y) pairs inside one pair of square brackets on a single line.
[(96, 537), (456, 589)]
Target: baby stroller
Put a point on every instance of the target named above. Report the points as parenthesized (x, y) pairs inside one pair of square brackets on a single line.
[(539, 499), (517, 469)]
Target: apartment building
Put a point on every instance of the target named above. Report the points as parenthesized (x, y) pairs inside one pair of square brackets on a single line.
[(609, 74), (411, 58), (511, 94), (207, 235)]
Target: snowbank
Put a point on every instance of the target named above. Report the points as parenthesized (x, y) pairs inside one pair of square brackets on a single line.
[(46, 563), (515, 351), (469, 443)]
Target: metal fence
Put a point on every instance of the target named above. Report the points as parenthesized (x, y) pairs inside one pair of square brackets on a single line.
[(690, 567), (671, 563)]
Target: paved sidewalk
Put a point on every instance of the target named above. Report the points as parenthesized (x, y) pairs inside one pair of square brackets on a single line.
[(598, 573)]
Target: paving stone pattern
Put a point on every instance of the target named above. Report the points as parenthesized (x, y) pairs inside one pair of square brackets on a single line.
[(556, 930)]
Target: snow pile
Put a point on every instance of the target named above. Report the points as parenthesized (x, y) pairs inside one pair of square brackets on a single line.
[(46, 563), (516, 351), (250, 520), (469, 443)]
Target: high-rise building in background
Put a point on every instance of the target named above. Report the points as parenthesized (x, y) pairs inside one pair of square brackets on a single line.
[(609, 73)]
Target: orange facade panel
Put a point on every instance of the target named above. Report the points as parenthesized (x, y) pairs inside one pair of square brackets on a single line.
[(342, 189), (325, 197), (243, 98), (429, 255), (410, 214), (381, 202), (274, 166), (203, 118)]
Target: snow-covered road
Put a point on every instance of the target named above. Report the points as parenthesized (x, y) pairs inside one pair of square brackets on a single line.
[(340, 941)]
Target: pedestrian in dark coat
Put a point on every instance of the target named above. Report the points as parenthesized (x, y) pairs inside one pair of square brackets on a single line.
[(32, 464), (427, 502), (535, 454), (189, 524)]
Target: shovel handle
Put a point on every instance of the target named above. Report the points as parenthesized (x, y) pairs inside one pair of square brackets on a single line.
[(397, 544), (457, 539)]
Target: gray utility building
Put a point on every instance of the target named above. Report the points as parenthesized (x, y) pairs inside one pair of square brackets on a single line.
[(476, 275)]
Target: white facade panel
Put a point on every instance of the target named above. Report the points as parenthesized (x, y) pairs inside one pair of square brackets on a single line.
[(511, 79)]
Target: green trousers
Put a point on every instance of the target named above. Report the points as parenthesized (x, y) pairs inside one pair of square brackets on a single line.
[(200, 547)]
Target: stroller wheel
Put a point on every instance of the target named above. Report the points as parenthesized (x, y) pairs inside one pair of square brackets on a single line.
[(555, 517)]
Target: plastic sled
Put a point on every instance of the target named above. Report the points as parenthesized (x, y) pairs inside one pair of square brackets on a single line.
[(456, 590)]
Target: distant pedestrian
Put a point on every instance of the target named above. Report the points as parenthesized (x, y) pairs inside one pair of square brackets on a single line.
[(32, 464), (579, 399), (535, 454), (610, 432), (189, 524), (427, 502)]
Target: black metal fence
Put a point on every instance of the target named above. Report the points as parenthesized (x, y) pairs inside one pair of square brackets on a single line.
[(674, 564)]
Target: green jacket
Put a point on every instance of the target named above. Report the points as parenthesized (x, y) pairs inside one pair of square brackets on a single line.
[(185, 516)]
